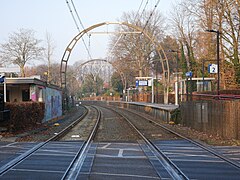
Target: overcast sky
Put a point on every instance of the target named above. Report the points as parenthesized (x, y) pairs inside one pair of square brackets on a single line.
[(54, 17)]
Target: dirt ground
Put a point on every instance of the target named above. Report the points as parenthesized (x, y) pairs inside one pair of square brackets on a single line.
[(204, 137)]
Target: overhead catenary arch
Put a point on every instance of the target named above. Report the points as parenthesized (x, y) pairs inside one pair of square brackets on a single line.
[(96, 67), (109, 67), (161, 53)]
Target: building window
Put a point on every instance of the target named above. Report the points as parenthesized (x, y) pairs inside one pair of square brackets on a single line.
[(25, 95)]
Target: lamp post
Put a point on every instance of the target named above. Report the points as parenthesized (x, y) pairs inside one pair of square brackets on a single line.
[(218, 58)]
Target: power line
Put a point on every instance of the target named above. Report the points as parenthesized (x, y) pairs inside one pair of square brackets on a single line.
[(77, 14), (138, 11), (72, 15), (125, 34), (144, 8), (110, 52), (74, 19), (151, 14)]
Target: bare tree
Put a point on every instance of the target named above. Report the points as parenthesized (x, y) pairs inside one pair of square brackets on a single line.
[(184, 29), (223, 16), (21, 48), (48, 53), (41, 69), (133, 51)]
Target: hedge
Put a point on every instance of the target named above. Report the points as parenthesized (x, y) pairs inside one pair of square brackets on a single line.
[(24, 115)]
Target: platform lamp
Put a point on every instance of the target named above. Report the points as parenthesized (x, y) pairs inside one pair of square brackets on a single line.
[(218, 58)]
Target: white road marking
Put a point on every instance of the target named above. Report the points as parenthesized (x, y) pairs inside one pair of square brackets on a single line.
[(120, 153), (126, 149), (198, 160), (35, 170), (75, 136), (106, 146), (188, 155), (124, 157), (127, 144), (125, 175)]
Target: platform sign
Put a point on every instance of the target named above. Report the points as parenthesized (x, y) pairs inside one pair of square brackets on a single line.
[(213, 68), (189, 74), (142, 82)]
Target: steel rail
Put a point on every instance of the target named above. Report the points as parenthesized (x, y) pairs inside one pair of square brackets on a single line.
[(28, 153), (199, 144), (172, 169), (74, 168), (210, 150)]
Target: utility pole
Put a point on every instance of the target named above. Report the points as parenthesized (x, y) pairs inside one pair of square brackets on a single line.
[(218, 58)]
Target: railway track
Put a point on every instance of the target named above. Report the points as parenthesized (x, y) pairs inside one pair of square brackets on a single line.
[(123, 144), (171, 168), (197, 143), (77, 154), (170, 151), (76, 164)]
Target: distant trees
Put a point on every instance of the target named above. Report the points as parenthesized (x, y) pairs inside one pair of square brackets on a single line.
[(133, 53), (117, 84), (21, 48), (92, 85), (191, 19), (41, 71), (184, 26)]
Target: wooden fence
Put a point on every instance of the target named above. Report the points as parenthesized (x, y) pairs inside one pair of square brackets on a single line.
[(218, 117)]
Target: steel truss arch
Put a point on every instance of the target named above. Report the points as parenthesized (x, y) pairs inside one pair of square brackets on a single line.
[(96, 67), (161, 53)]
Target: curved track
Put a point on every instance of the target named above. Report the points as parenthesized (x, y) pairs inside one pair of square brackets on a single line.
[(38, 155)]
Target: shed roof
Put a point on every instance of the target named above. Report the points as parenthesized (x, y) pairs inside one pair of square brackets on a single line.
[(31, 80)]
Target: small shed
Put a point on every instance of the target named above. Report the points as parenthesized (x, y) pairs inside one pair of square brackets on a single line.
[(34, 89)]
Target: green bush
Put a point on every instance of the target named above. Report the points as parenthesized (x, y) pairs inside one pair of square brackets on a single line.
[(24, 115), (176, 116)]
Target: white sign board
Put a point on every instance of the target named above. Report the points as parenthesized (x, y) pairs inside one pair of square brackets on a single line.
[(142, 82), (213, 68)]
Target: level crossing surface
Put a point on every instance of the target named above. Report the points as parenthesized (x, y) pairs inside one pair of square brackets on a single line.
[(49, 162), (197, 163), (117, 160), (124, 160), (11, 150)]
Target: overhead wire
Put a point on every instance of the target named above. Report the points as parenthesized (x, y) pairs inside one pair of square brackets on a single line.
[(138, 11), (77, 14), (110, 52), (151, 14), (142, 14), (125, 34), (75, 21), (144, 9)]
